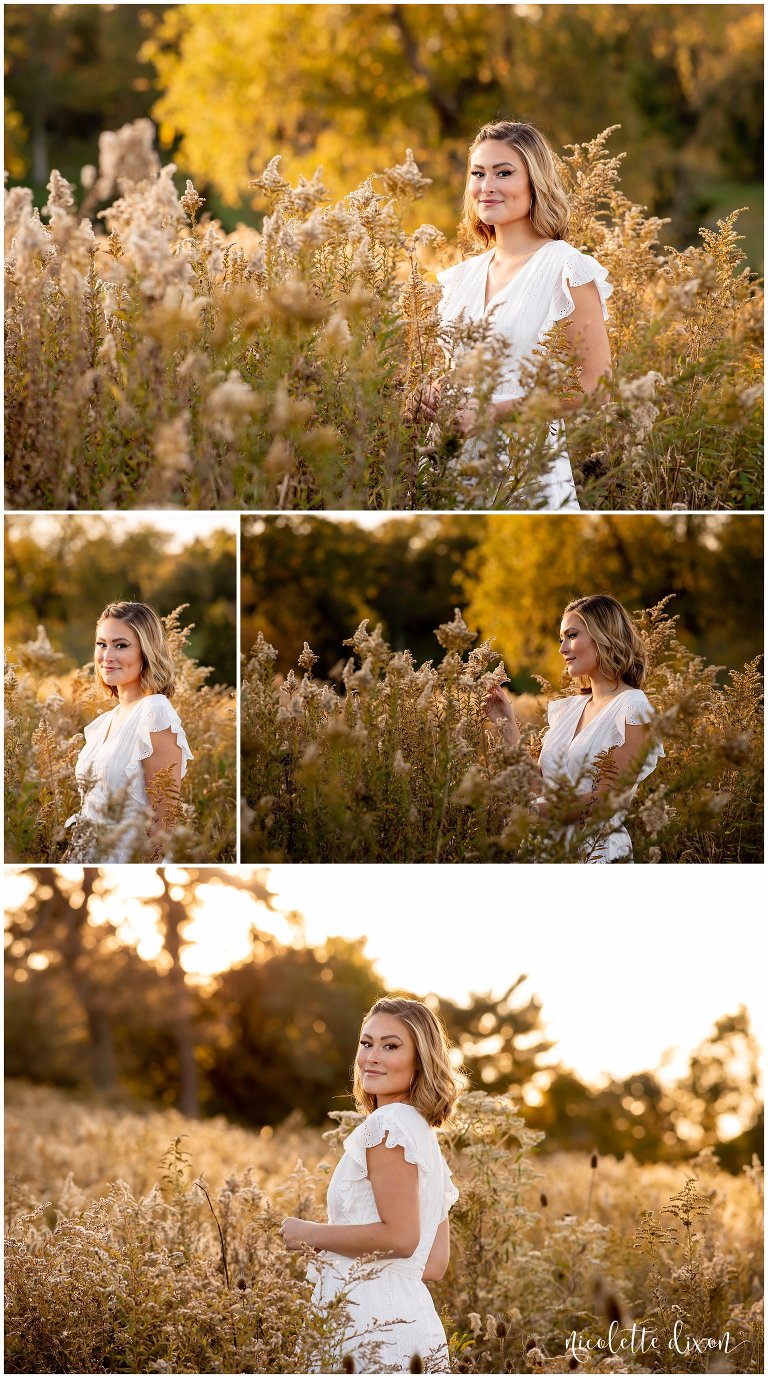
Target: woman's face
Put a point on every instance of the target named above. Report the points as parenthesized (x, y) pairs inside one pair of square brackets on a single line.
[(118, 654), (499, 183), (386, 1058), (577, 647)]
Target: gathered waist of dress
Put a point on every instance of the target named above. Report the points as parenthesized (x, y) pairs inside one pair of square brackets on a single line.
[(401, 1267)]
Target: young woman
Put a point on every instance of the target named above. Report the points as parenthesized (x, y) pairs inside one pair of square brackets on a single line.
[(528, 276), (391, 1193), (126, 748), (600, 645)]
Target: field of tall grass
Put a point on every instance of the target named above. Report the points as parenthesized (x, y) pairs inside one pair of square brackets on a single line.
[(147, 1243), (397, 763), (152, 359), (45, 716)]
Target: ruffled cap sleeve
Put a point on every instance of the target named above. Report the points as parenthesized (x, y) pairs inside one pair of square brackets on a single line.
[(450, 1192), (397, 1126), (577, 270), (634, 709), (155, 714)]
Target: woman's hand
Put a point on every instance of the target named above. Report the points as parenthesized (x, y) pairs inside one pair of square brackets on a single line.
[(499, 710), (423, 403), (297, 1232), (497, 705), (466, 417)]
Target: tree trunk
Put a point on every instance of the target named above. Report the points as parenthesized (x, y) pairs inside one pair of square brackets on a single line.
[(174, 913), (78, 961)]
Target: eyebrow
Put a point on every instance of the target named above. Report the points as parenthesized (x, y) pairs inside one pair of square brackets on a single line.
[(566, 630), (506, 163), (384, 1038)]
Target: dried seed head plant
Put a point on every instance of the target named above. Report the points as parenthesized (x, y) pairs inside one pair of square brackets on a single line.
[(178, 1266), (397, 762), (153, 359)]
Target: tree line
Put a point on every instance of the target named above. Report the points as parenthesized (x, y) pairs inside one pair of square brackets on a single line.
[(683, 81), (61, 573), (310, 579)]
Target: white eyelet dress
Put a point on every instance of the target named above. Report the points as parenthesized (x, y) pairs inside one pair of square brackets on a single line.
[(109, 770), (523, 312), (388, 1290), (564, 755)]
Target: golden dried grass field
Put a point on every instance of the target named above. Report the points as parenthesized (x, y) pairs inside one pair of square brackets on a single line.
[(397, 762), (115, 1264), (168, 362)]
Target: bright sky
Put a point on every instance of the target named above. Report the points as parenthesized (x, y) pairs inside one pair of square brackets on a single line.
[(627, 965), (367, 519), (183, 526), (624, 971)]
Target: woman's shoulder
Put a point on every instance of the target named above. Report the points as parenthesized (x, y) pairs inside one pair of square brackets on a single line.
[(402, 1112), (632, 701), (157, 708), (584, 267), (401, 1122), (567, 267), (397, 1126), (565, 249), (632, 695)]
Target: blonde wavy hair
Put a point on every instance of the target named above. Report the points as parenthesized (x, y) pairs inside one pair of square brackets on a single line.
[(157, 675), (550, 211), (620, 648), (435, 1087)]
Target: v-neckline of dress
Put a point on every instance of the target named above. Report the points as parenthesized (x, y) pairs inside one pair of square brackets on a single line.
[(487, 305), (119, 725), (578, 733)]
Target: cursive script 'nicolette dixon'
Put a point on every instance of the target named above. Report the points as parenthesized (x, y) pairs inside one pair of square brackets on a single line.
[(640, 1340)]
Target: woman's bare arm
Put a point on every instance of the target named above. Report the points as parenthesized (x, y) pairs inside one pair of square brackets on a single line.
[(395, 1185), (589, 344), (589, 337), (164, 798), (439, 1254), (624, 758)]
